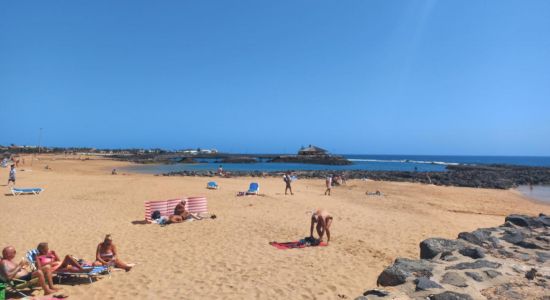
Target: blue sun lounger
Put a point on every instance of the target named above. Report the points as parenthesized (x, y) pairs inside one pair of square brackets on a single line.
[(212, 185), (254, 189), (90, 271), (34, 191)]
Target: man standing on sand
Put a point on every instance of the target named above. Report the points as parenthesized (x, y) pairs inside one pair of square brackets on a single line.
[(288, 180), (12, 175), (328, 182), (323, 220)]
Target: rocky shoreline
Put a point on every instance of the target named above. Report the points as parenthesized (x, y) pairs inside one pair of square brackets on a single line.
[(511, 261), (479, 176)]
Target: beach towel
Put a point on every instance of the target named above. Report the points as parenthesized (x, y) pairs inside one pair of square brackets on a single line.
[(303, 243)]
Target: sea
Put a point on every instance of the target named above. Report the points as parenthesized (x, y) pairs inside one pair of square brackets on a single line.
[(419, 163)]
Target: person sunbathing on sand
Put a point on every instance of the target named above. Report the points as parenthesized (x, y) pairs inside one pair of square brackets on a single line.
[(49, 259), (9, 270), (180, 211), (323, 220), (106, 255)]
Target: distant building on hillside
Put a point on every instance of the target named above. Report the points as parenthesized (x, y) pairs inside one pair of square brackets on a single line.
[(312, 150)]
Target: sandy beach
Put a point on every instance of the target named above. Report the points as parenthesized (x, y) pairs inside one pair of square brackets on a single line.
[(230, 257)]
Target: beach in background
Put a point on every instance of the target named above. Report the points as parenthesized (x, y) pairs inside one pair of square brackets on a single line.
[(230, 257)]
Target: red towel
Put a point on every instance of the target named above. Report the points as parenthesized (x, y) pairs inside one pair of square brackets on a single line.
[(293, 245)]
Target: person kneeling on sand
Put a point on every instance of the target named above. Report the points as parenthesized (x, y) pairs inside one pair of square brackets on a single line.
[(47, 259), (323, 220), (106, 255), (9, 270)]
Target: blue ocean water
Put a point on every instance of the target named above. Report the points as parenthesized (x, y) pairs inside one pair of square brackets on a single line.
[(420, 163)]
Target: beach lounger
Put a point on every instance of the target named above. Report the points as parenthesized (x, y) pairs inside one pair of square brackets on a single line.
[(197, 205), (17, 286), (91, 272), (212, 185), (254, 189), (20, 191)]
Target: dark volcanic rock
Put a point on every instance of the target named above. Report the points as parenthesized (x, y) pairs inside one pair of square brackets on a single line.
[(429, 248), (450, 296), (475, 276), (375, 293), (402, 268), (474, 265), (474, 253), (492, 273), (526, 221), (424, 283), (531, 274), (477, 237), (542, 256), (453, 278)]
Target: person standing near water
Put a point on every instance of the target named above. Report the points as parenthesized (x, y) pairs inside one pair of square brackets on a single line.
[(288, 180), (12, 175), (328, 182), (220, 170)]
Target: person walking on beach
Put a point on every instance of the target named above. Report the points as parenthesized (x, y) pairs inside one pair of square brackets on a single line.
[(328, 182), (12, 175), (288, 180), (323, 220)]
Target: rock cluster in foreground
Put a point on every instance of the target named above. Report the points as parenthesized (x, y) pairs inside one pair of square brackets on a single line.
[(511, 261)]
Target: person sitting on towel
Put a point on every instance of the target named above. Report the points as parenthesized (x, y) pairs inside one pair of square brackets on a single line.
[(323, 220), (106, 255), (180, 211)]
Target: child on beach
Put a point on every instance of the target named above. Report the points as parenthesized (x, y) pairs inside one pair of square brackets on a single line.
[(12, 175)]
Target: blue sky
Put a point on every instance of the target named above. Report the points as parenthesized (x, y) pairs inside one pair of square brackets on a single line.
[(375, 77)]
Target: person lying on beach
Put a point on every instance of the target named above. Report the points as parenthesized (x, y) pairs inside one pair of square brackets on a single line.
[(106, 255), (323, 220), (180, 210), (47, 259), (10, 270)]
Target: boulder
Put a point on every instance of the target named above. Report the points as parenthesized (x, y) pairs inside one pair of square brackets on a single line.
[(475, 276), (474, 253), (374, 294), (453, 278), (429, 248), (424, 283), (531, 274), (403, 268), (474, 265), (526, 221), (492, 273), (478, 237), (450, 296)]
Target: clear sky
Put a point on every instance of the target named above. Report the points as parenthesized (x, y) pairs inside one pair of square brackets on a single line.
[(374, 77)]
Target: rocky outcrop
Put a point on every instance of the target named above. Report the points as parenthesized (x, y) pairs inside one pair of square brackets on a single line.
[(495, 177), (511, 261)]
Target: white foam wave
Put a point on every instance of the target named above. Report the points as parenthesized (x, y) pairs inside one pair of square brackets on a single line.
[(405, 161)]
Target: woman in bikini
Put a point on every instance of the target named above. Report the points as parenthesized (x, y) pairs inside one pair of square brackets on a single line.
[(106, 255), (49, 259)]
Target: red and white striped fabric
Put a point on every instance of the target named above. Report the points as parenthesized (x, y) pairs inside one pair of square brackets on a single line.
[(197, 205), (166, 207)]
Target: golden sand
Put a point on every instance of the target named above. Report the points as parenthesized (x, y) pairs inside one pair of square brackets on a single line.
[(230, 257)]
